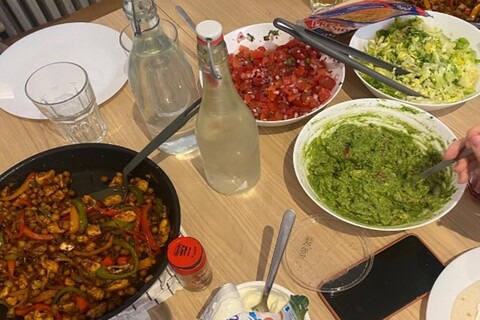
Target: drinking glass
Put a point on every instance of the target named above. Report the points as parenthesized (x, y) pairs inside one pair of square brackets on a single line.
[(63, 94), (126, 35)]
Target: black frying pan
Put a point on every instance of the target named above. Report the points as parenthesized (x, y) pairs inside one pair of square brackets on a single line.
[(88, 162)]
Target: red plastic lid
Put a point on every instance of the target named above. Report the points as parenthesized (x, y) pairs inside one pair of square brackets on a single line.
[(186, 255)]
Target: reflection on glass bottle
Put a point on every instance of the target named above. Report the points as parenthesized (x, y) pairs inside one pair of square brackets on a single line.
[(160, 76), (226, 130)]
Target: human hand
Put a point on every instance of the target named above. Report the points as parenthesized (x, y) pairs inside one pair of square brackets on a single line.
[(465, 167)]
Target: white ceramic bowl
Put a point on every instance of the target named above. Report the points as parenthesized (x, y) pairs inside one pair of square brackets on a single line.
[(255, 289), (451, 26), (238, 38), (429, 128)]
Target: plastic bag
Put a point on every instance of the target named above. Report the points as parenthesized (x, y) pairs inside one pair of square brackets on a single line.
[(350, 16)]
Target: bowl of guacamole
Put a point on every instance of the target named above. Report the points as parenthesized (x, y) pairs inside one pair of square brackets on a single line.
[(361, 161)]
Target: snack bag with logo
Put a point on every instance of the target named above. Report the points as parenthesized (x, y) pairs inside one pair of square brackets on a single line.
[(350, 16)]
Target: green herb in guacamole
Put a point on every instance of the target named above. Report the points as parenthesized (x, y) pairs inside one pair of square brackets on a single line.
[(371, 174)]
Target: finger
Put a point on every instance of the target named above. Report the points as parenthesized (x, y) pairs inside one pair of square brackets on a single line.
[(474, 144), (454, 149), (462, 177), (475, 131), (461, 165)]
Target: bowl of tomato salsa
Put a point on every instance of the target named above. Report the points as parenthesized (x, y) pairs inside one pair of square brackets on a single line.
[(281, 79)]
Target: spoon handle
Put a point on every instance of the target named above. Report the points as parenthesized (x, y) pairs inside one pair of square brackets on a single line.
[(282, 239), (185, 17)]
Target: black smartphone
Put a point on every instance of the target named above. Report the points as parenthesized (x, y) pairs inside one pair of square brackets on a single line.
[(401, 273)]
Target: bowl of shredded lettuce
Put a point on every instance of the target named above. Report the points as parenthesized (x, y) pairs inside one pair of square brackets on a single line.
[(442, 53)]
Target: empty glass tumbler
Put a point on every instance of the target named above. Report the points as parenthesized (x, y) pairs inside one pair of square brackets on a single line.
[(63, 94)]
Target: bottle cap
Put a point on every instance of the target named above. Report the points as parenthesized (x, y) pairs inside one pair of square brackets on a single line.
[(209, 30), (186, 255)]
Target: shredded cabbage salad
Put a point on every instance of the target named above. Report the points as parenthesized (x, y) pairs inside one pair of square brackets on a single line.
[(442, 69)]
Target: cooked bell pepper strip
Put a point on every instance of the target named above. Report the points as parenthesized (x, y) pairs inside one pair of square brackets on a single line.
[(137, 193), (74, 224), (23, 202), (108, 211), (37, 236), (117, 224), (452, 5), (45, 211), (21, 229), (146, 263), (82, 303), (24, 187), (103, 272), (145, 229), (82, 214), (426, 4), (94, 252), (474, 13), (136, 233), (12, 255), (37, 306), (64, 290), (11, 265), (45, 295)]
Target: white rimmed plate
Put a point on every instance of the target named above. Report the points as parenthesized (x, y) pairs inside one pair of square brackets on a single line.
[(95, 47), (459, 274)]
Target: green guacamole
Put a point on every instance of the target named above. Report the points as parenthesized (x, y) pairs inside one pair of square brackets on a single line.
[(371, 174)]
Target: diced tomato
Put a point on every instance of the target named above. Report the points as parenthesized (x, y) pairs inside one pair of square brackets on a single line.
[(108, 261), (327, 82), (283, 83), (258, 54), (122, 260)]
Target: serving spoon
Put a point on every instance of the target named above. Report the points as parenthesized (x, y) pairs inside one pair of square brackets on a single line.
[(282, 239), (163, 136)]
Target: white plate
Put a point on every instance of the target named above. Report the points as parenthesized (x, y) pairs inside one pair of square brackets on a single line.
[(238, 37), (458, 275), (93, 46)]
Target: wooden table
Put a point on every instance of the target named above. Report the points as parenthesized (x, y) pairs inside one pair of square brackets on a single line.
[(231, 227)]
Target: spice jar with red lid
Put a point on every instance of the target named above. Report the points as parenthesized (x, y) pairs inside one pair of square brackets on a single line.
[(189, 261)]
